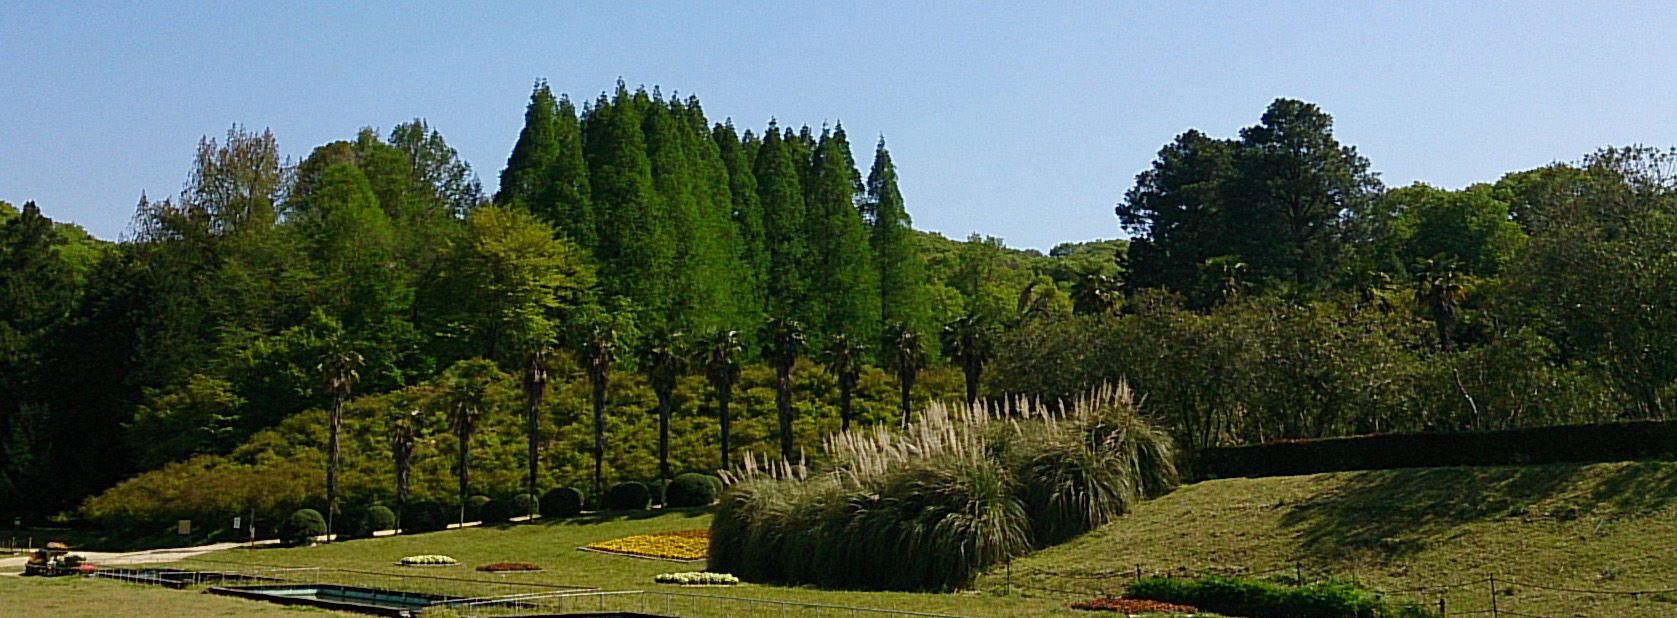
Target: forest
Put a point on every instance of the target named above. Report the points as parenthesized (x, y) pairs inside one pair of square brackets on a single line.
[(652, 292)]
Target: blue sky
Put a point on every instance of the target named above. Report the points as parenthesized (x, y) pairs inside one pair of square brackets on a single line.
[(1025, 121)]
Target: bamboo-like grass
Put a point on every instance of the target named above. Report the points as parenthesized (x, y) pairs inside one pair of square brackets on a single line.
[(931, 507)]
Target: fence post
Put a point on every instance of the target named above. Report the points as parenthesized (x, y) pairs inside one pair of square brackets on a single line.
[(1494, 613)]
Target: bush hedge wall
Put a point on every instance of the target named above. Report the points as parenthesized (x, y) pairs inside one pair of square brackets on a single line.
[(1540, 445)]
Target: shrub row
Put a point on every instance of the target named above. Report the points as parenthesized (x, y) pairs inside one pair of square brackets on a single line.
[(1541, 445), (1244, 597)]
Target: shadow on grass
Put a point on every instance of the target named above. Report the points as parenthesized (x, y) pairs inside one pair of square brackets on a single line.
[(1389, 514)]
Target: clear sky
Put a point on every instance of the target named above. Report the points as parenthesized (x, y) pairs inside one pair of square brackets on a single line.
[(1025, 121)]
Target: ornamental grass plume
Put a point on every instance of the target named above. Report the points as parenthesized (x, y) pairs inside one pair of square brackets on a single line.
[(931, 507)]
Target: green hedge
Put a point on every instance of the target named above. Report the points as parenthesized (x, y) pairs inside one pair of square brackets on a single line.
[(424, 516), (1540, 445), (561, 502), (302, 527), (630, 496), (1244, 597), (692, 489)]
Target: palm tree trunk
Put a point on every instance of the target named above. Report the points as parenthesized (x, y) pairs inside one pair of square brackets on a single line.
[(336, 422), (536, 385), (722, 397), (599, 397), (783, 404), (465, 446), (664, 434), (844, 406)]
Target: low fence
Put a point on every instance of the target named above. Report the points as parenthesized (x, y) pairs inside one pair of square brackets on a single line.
[(1492, 594), (1538, 445), (672, 604), (505, 594)]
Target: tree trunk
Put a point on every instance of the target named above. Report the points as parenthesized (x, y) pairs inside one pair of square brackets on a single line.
[(536, 387), (905, 382), (599, 383), (783, 404), (974, 371), (336, 422), (844, 406), (664, 397), (465, 447), (722, 397)]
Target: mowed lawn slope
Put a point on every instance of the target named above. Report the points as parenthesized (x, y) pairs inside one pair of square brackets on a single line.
[(1601, 527)]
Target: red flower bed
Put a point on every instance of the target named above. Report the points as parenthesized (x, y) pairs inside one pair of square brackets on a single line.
[(508, 566), (1132, 606)]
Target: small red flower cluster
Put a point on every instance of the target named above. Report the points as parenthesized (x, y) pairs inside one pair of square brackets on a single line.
[(1132, 606)]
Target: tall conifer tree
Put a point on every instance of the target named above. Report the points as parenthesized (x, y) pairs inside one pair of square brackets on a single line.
[(782, 198), (844, 285), (746, 213), (904, 297), (636, 248)]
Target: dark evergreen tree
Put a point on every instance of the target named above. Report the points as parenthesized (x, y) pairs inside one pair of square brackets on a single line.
[(1175, 215), (844, 282), (748, 218), (637, 247), (785, 235), (904, 296)]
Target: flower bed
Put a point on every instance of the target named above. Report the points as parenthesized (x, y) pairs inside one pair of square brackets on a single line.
[(679, 545), (697, 578), (429, 560), (508, 567), (1133, 606)]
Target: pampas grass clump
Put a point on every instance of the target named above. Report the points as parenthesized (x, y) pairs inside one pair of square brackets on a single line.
[(931, 507)]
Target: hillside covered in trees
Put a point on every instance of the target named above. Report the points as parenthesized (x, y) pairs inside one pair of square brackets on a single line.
[(644, 271)]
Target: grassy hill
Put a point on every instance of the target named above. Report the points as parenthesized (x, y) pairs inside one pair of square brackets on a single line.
[(1558, 539)]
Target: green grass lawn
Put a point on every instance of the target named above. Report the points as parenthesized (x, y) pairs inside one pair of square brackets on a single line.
[(56, 597), (1610, 527)]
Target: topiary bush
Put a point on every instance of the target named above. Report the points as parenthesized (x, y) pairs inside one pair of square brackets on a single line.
[(302, 527), (426, 516), (495, 511), (691, 489), (658, 489), (630, 496), (474, 507), (380, 517), (561, 502), (524, 504), (352, 523)]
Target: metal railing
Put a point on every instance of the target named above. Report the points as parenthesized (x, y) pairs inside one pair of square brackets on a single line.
[(673, 604)]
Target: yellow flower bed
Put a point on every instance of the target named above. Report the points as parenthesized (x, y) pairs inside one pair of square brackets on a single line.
[(672, 545)]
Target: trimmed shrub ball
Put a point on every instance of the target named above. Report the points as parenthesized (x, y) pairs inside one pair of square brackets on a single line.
[(424, 516), (352, 523), (691, 489), (380, 517), (495, 511), (524, 504), (474, 507), (561, 502), (658, 489), (630, 496), (302, 527)]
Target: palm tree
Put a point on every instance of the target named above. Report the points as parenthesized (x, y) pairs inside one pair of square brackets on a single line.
[(662, 359), (844, 360), (535, 387), (719, 353), (404, 434), (785, 338), (339, 367), (967, 340), (1441, 286), (600, 351), (906, 356), (467, 384), (1096, 293)]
